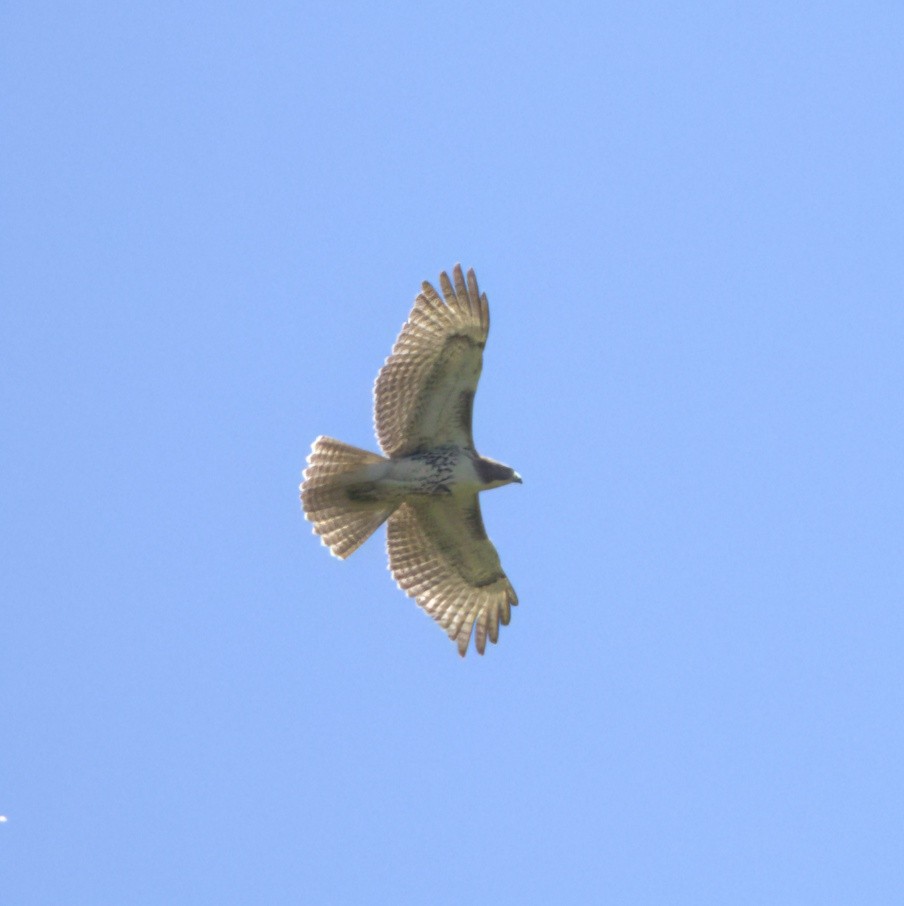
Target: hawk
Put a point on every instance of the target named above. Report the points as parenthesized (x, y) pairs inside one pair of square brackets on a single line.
[(427, 483)]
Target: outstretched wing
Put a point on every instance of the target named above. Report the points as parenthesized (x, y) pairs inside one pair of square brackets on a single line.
[(440, 555), (424, 394)]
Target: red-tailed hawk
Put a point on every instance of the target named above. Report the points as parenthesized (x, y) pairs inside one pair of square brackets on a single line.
[(427, 483)]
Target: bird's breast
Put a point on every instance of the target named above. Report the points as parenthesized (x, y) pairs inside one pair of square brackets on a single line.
[(443, 470)]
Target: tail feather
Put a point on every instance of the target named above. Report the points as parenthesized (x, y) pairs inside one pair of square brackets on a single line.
[(331, 496)]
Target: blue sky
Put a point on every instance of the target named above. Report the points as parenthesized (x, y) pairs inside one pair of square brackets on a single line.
[(689, 220)]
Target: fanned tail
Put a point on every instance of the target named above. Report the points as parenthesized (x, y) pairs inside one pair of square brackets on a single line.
[(334, 495)]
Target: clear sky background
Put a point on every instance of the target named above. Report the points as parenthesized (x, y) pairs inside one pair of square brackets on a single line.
[(689, 220)]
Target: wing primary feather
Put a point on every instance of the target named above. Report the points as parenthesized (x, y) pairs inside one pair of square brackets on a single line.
[(446, 285), (474, 297), (480, 627), (460, 289), (494, 626)]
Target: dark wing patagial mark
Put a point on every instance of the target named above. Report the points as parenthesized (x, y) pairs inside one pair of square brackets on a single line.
[(420, 393), (473, 524), (465, 413)]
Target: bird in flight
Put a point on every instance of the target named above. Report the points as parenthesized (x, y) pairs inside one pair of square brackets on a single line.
[(427, 483)]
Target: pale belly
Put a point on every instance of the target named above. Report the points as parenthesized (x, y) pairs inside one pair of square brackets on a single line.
[(438, 472)]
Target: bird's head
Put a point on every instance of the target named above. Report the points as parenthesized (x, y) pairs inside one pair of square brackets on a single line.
[(494, 474)]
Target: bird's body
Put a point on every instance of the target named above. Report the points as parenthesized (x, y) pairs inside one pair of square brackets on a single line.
[(433, 473), (427, 484)]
